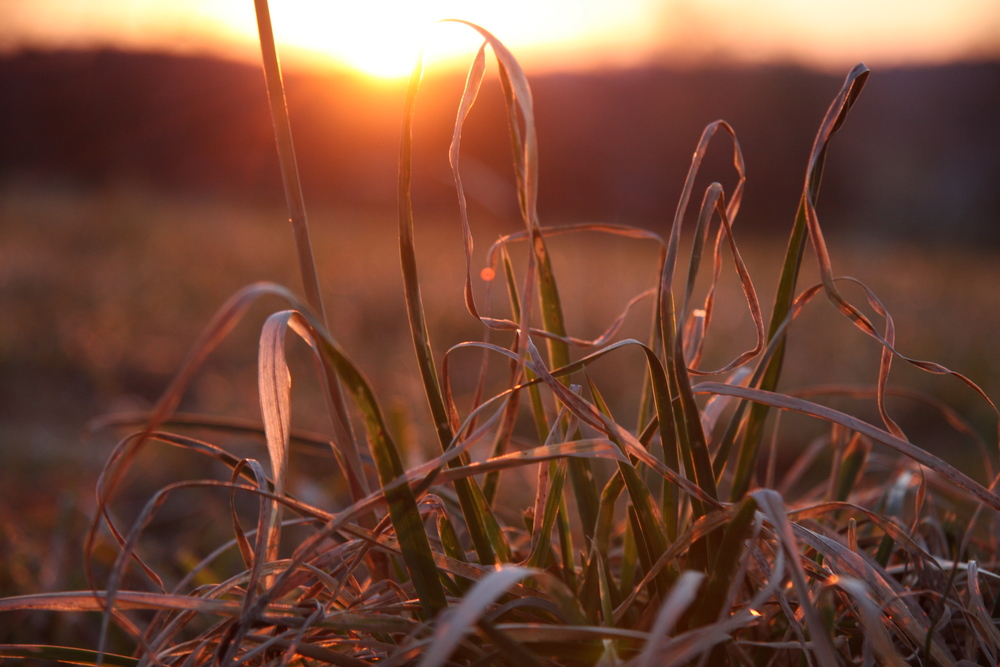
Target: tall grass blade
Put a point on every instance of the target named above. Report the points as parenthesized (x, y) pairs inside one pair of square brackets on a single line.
[(286, 158), (475, 513), (343, 435), (519, 104), (785, 294)]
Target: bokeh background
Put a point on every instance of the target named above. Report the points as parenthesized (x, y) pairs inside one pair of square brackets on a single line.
[(139, 188)]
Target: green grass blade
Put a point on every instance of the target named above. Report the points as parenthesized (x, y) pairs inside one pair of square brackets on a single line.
[(728, 561)]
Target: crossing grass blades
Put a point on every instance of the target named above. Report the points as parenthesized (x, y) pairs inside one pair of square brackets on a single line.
[(652, 539)]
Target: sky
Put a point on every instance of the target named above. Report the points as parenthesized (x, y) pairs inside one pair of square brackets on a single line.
[(382, 37)]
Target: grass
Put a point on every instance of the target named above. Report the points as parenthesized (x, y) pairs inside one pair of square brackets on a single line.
[(566, 501)]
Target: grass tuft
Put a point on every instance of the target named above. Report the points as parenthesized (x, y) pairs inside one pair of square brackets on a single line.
[(548, 527)]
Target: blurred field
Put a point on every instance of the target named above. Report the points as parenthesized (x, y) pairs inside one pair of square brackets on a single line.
[(103, 292)]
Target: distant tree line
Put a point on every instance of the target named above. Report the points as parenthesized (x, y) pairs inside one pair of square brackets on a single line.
[(919, 156)]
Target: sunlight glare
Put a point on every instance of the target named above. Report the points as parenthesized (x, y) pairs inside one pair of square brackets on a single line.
[(381, 39)]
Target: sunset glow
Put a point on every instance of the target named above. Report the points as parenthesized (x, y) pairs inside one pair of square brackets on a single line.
[(382, 37)]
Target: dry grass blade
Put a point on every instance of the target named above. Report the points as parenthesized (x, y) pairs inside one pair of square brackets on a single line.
[(126, 600), (682, 595), (225, 319), (949, 472), (773, 508), (951, 417), (472, 86), (275, 386), (872, 621), (343, 435), (65, 655), (987, 632), (910, 620), (462, 619)]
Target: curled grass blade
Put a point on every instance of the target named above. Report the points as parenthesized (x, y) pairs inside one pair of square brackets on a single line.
[(520, 106)]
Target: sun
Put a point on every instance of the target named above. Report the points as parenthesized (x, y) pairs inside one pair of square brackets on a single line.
[(378, 38), (382, 38)]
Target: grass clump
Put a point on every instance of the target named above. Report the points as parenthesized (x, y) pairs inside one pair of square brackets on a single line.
[(664, 537)]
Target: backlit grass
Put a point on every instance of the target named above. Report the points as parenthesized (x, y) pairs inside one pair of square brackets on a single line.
[(577, 490)]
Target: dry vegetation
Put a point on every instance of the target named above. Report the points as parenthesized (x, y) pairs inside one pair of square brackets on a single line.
[(580, 492)]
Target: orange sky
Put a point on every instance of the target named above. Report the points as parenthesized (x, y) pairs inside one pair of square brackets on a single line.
[(381, 36)]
